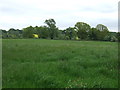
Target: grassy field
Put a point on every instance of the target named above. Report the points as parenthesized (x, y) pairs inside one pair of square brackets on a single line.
[(35, 63)]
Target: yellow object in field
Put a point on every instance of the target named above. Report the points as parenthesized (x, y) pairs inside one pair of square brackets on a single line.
[(77, 38), (35, 35)]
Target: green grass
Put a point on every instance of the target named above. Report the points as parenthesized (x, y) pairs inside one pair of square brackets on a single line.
[(36, 63)]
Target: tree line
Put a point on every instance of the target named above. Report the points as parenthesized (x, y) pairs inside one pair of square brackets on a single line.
[(80, 31)]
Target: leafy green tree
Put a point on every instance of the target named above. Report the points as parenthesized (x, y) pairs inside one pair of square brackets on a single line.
[(3, 34), (114, 39), (103, 31), (82, 30), (14, 33), (61, 34), (101, 27), (44, 32), (71, 33), (11, 32), (111, 36), (28, 32), (36, 28), (53, 30), (19, 33), (93, 34)]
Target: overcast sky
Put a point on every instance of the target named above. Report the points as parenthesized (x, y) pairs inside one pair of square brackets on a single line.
[(19, 14)]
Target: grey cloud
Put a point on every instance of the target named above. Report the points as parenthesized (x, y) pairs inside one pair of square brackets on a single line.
[(63, 17)]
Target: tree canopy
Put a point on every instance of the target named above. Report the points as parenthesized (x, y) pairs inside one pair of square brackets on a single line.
[(80, 31)]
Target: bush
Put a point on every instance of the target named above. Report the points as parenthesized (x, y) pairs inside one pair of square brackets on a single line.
[(114, 39), (111, 38), (61, 36), (67, 38)]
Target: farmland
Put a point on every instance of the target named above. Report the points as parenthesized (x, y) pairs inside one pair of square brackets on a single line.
[(39, 63)]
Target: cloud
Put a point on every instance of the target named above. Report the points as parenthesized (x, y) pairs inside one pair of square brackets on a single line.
[(22, 13)]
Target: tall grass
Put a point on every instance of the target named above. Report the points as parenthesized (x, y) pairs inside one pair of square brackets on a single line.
[(34, 63)]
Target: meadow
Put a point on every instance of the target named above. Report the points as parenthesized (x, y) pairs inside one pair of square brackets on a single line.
[(39, 63)]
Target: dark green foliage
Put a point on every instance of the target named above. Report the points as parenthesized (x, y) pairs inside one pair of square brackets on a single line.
[(82, 30), (70, 33), (43, 32), (53, 30), (3, 34), (103, 31), (28, 32), (111, 36), (101, 27), (93, 34), (12, 33), (61, 35)]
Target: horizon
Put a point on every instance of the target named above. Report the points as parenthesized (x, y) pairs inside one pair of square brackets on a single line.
[(46, 25)]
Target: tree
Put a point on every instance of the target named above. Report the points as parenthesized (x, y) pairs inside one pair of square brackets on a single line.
[(93, 34), (101, 27), (52, 28), (14, 33), (82, 30), (103, 31), (3, 34), (44, 32), (11, 32), (61, 34), (28, 32), (71, 33), (111, 36)]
